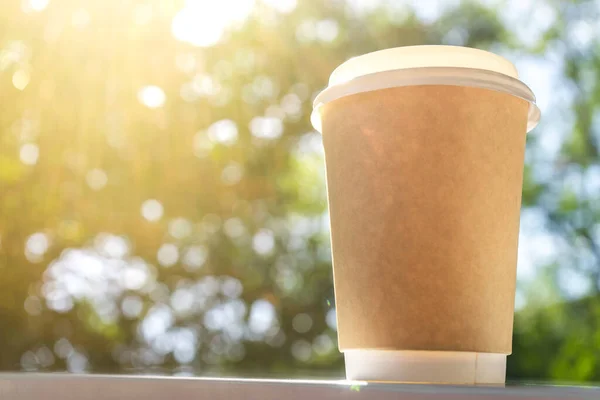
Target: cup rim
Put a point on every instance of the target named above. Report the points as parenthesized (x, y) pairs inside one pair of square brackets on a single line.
[(422, 76)]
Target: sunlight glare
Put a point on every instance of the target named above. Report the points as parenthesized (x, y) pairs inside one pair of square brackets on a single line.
[(283, 6), (202, 23), (34, 5)]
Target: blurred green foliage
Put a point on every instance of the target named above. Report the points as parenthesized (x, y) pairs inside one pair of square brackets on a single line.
[(162, 201)]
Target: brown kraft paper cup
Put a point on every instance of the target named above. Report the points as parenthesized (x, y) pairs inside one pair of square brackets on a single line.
[(424, 186)]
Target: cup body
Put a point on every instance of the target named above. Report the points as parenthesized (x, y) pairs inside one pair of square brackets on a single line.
[(424, 188)]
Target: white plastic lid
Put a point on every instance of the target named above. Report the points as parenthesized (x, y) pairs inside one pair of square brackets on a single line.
[(425, 65), (439, 367), (421, 57)]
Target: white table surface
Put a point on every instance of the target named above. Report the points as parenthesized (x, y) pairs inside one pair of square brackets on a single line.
[(24, 386)]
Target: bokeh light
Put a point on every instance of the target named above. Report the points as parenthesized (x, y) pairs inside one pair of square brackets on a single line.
[(29, 154), (327, 30), (152, 96), (20, 79), (224, 131), (234, 228), (264, 242), (323, 345), (232, 173), (33, 306), (301, 350), (152, 210), (302, 323), (266, 127), (194, 257), (262, 317), (132, 306), (96, 179), (331, 319), (180, 228), (167, 255), (36, 246)]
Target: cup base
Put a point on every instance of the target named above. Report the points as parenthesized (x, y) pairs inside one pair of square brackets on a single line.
[(437, 367)]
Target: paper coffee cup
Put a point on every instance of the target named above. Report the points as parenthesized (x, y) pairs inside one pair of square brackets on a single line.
[(424, 149)]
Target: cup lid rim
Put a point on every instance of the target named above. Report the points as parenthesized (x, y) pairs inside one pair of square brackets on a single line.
[(420, 76)]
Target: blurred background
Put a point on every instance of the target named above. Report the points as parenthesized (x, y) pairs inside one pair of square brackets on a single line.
[(162, 194)]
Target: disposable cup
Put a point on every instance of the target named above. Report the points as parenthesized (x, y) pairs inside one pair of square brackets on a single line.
[(424, 150)]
